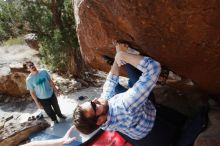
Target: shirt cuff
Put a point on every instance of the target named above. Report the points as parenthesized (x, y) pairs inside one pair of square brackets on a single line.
[(142, 63), (113, 78)]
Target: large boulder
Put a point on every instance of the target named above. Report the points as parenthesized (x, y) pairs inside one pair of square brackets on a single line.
[(14, 133), (32, 41), (12, 81), (182, 35)]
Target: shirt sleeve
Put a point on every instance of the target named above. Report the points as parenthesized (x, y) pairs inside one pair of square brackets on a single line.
[(47, 74), (138, 94), (109, 86), (30, 86)]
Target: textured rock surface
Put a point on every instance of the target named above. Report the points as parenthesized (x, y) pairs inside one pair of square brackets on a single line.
[(184, 101), (211, 136), (13, 134), (31, 40), (183, 35), (13, 83)]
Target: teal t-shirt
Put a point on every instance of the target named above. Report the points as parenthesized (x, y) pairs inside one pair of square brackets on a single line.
[(39, 83)]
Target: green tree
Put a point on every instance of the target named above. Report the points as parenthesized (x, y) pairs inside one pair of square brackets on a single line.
[(54, 23), (10, 20)]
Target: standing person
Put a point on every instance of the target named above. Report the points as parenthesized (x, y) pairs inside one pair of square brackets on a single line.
[(43, 91)]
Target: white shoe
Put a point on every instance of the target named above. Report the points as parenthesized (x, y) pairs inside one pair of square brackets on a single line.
[(53, 123)]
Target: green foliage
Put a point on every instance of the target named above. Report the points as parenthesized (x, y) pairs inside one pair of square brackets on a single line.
[(51, 51), (69, 28), (53, 22), (10, 20), (38, 17)]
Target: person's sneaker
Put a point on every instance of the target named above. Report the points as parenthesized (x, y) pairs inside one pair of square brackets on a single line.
[(82, 97), (62, 117), (40, 116), (53, 123)]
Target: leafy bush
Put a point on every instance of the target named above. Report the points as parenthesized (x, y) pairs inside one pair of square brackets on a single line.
[(53, 22), (10, 20)]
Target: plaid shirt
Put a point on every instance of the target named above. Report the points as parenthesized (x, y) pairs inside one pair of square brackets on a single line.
[(131, 113)]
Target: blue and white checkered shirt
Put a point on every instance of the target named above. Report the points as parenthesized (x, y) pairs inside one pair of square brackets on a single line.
[(131, 113)]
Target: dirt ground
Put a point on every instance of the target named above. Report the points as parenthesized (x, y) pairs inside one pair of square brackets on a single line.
[(15, 54)]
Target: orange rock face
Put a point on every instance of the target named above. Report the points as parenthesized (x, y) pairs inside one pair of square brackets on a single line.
[(183, 35), (12, 82)]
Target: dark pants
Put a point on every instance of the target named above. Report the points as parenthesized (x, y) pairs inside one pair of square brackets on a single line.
[(51, 107), (167, 121), (166, 129)]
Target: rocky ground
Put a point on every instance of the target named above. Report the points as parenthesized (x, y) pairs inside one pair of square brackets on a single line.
[(15, 110), (22, 107), (14, 54)]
